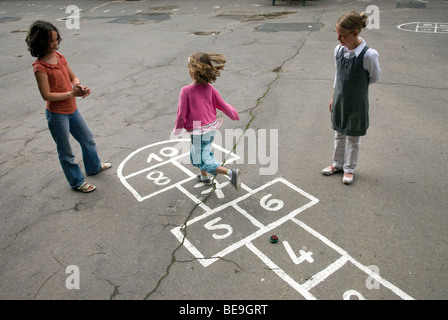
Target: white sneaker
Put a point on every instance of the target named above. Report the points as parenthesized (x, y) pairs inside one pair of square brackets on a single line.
[(328, 171), (348, 178)]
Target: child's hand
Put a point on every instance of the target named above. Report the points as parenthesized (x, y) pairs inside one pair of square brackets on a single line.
[(177, 131), (81, 91), (86, 91)]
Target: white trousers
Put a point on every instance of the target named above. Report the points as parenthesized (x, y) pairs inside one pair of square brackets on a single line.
[(346, 150)]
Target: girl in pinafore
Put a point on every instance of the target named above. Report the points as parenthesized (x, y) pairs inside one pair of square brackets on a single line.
[(357, 67), (196, 113), (59, 86)]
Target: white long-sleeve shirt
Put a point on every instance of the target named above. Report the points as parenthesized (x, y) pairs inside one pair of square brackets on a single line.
[(370, 63)]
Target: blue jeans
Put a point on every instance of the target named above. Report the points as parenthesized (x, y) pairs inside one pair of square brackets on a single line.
[(201, 155), (61, 126)]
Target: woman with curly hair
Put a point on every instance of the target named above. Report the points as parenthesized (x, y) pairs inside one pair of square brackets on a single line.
[(59, 86), (197, 114)]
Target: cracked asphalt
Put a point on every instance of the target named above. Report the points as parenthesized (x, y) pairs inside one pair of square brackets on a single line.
[(133, 55)]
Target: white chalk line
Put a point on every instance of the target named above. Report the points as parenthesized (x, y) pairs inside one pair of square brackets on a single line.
[(347, 257), (263, 229), (421, 25), (156, 166), (325, 273), (172, 160), (254, 221), (302, 289), (193, 198), (282, 274), (322, 275)]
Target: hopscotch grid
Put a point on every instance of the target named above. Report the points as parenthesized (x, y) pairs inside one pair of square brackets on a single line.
[(183, 168), (123, 163), (280, 272), (156, 166), (304, 288), (251, 192), (256, 234), (193, 198), (251, 218), (325, 273), (360, 266), (174, 185), (381, 280), (172, 160), (419, 25)]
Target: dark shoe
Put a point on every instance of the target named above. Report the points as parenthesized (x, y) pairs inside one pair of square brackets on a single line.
[(235, 181), (207, 182)]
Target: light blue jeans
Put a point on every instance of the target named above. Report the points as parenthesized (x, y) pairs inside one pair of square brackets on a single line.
[(200, 153), (61, 127)]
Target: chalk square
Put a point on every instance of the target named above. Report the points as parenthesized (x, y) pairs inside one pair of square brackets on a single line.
[(249, 221), (220, 233), (351, 283), (298, 253), (216, 195), (275, 201), (153, 182)]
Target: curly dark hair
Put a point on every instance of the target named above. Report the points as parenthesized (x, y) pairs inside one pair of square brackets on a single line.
[(39, 36)]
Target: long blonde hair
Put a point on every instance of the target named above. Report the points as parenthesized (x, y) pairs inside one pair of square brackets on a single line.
[(352, 21), (205, 67)]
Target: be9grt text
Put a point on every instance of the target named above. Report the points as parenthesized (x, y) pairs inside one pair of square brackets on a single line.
[(243, 309), (232, 309)]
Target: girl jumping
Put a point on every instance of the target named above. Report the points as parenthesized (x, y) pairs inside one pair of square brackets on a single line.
[(197, 114)]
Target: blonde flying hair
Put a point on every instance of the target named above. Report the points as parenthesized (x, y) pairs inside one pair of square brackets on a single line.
[(205, 67), (352, 21)]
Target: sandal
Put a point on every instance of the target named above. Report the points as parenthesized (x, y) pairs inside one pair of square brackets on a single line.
[(86, 188), (105, 166)]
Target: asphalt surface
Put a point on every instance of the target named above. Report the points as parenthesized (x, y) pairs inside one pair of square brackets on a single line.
[(150, 231)]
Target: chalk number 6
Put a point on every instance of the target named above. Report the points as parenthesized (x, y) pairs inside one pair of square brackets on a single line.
[(271, 205)]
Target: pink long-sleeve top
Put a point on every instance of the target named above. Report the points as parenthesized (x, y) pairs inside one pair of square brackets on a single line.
[(198, 102)]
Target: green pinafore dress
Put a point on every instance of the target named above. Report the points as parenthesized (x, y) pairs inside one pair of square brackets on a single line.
[(350, 110)]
